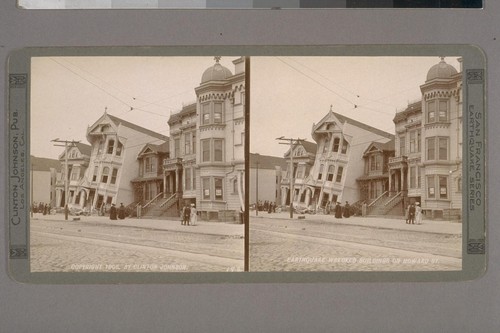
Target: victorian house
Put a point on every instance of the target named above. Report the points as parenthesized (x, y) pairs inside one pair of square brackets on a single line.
[(427, 167), (338, 162), (77, 158), (207, 157), (104, 175)]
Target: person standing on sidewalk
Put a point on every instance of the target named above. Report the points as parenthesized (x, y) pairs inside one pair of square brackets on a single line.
[(187, 214), (347, 210), (121, 212), (411, 214), (194, 214), (112, 212), (338, 211), (418, 214)]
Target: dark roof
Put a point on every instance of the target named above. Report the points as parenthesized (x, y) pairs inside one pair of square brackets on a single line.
[(44, 164), (161, 148), (310, 147), (185, 110), (84, 148), (388, 146), (118, 121), (359, 124), (267, 162), (415, 107)]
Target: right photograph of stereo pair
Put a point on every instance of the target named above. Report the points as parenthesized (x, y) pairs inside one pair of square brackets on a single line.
[(355, 164)]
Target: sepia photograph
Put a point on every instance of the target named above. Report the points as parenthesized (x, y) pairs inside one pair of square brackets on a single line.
[(137, 164), (356, 164)]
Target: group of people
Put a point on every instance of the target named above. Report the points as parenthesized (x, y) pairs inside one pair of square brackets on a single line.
[(189, 215), (41, 207), (266, 206), (115, 213), (338, 210), (413, 214)]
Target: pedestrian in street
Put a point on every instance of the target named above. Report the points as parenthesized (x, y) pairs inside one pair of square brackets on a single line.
[(112, 212), (418, 213), (121, 211), (338, 211), (187, 214), (194, 214), (347, 210), (411, 214)]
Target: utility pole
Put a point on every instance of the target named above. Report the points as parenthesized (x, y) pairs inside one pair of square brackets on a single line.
[(257, 186), (291, 142), (66, 176)]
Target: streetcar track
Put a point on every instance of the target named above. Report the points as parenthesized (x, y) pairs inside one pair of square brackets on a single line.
[(194, 256), (357, 245), (317, 235)]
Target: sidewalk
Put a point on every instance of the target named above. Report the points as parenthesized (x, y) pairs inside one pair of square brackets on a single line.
[(431, 226), (202, 227)]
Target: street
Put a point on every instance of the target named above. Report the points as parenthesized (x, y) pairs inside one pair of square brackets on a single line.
[(97, 244), (323, 243)]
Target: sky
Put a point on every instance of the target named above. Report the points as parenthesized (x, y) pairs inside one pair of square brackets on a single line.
[(289, 94), (68, 94)]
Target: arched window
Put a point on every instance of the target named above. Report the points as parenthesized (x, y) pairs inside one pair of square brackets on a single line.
[(105, 174)]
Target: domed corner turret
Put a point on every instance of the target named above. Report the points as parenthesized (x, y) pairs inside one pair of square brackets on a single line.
[(217, 72), (442, 70)]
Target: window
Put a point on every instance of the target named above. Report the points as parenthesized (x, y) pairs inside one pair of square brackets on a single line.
[(459, 184), (109, 200), (205, 182), (113, 176), (205, 113), (431, 149), (149, 164), (375, 162), (402, 145), (443, 187), (194, 143), (111, 146), (340, 170), (412, 177), (413, 141), (437, 149), (419, 183), (300, 171), (431, 111), (219, 193), (431, 189), (177, 147), (74, 174), (235, 186), (336, 144), (326, 144), (243, 98), (320, 173), (105, 173), (344, 146), (187, 179), (218, 113), (205, 150), (119, 148), (331, 170), (101, 147), (443, 111), (218, 156), (187, 143), (94, 177), (443, 149)]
